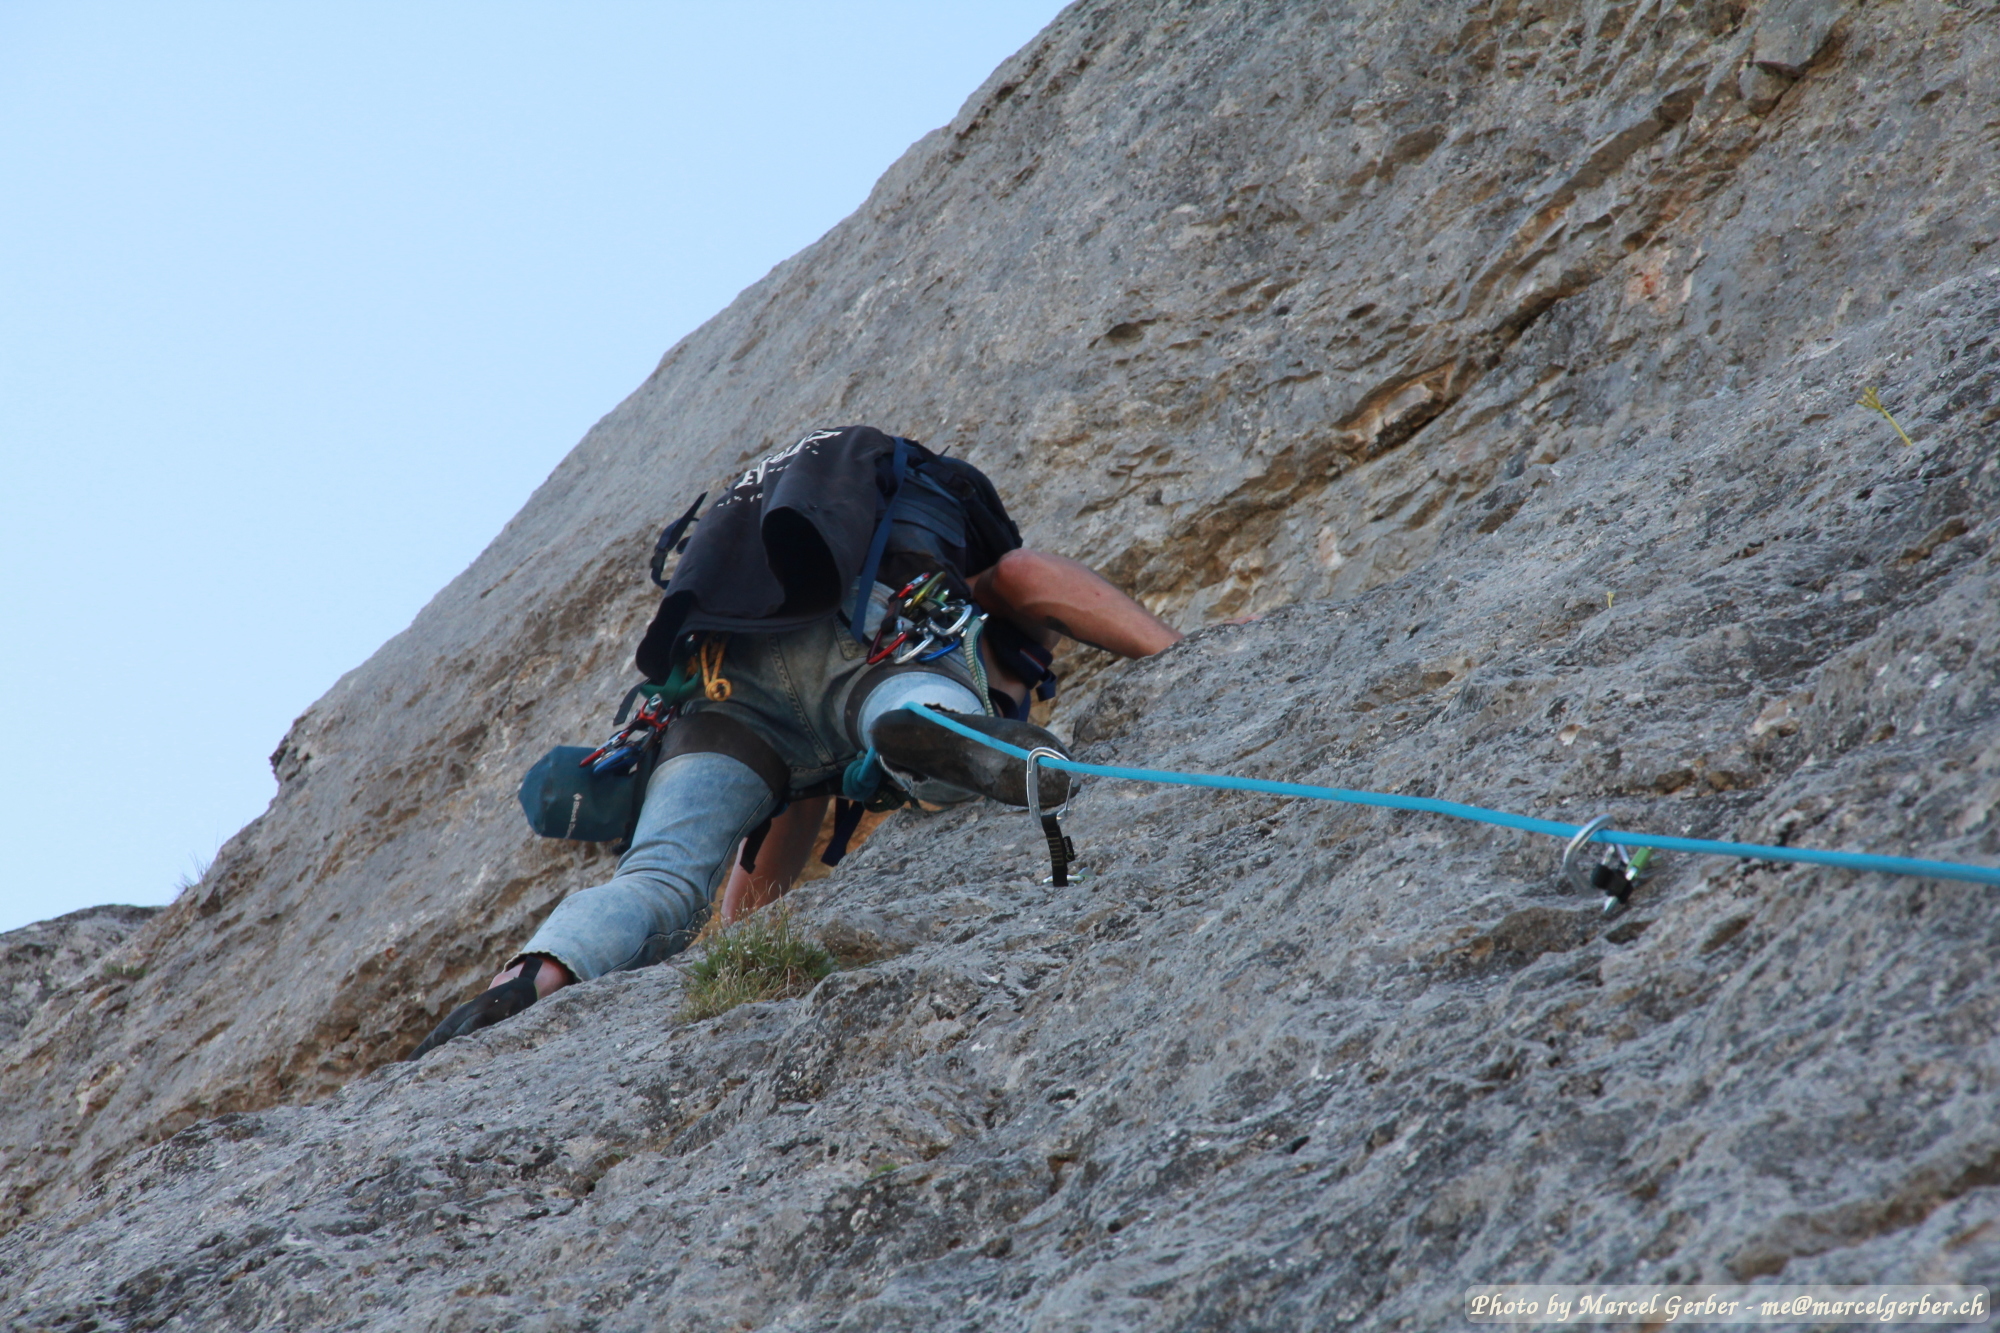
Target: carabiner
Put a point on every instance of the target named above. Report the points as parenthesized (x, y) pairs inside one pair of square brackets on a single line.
[(965, 617), (928, 642), (1615, 879)]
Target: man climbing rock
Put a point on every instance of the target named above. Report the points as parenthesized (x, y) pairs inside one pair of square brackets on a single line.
[(834, 587)]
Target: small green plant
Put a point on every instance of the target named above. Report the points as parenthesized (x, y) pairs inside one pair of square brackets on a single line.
[(763, 958), (192, 878)]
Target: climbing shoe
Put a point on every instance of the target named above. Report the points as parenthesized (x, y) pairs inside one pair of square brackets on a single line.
[(907, 742), (484, 1009)]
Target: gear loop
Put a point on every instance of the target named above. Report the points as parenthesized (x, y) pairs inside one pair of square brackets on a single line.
[(714, 687)]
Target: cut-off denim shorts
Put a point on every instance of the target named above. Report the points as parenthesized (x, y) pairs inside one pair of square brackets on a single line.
[(793, 690)]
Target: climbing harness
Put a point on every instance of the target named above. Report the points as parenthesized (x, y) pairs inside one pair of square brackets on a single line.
[(864, 583), (673, 539), (925, 621), (634, 739), (1025, 660), (1615, 878), (1889, 865), (630, 743), (596, 795), (713, 687), (641, 736), (846, 822)]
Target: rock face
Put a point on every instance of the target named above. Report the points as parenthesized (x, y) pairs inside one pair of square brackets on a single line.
[(1505, 359), (39, 960)]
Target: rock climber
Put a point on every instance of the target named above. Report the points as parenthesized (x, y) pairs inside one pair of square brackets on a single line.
[(832, 588)]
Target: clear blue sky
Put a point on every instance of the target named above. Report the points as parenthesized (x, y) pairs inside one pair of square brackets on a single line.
[(299, 302)]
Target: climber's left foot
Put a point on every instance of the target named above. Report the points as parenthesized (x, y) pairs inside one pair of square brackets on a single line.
[(513, 990)]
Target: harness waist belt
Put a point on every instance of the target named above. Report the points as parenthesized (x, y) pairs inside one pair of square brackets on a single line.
[(718, 733)]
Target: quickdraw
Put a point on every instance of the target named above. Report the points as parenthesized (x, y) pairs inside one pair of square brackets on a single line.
[(631, 742), (1062, 849), (927, 620), (1615, 878), (628, 745)]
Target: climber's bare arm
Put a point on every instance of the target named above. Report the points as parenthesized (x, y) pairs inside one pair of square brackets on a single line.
[(1040, 591), (779, 860)]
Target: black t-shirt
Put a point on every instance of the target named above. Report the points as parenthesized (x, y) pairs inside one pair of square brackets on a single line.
[(785, 544)]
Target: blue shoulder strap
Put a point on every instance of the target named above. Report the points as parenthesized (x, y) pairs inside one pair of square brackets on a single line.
[(863, 586)]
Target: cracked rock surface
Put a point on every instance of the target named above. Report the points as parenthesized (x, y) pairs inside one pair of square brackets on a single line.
[(1503, 362), (38, 960)]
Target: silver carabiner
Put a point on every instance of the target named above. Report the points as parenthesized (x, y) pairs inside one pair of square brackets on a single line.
[(1035, 756), (1574, 873), (957, 628), (1571, 872), (911, 653)]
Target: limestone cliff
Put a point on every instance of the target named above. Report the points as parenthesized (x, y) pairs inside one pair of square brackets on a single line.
[(39, 960), (1504, 358)]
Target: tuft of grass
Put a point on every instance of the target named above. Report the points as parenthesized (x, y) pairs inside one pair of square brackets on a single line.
[(191, 879), (763, 958)]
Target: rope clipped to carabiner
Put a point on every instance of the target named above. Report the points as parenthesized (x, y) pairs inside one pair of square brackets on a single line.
[(1863, 861), (1616, 878), (1062, 851)]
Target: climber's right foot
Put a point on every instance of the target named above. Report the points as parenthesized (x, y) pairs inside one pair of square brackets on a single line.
[(906, 741), (500, 1001)]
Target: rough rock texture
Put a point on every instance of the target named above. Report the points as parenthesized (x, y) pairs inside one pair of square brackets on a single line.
[(1506, 357), (39, 960)]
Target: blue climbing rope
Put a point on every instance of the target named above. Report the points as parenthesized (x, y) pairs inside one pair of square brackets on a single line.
[(1888, 865)]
